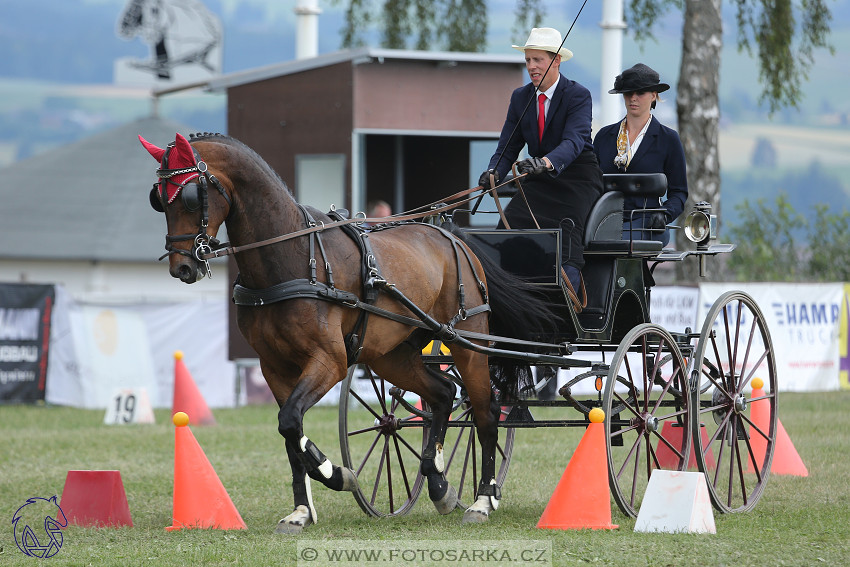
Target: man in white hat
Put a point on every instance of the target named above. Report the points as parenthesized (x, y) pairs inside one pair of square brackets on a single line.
[(564, 177)]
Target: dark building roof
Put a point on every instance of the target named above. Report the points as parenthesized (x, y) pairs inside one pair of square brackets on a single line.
[(87, 200), (357, 56)]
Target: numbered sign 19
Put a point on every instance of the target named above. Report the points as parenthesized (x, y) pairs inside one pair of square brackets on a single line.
[(129, 405)]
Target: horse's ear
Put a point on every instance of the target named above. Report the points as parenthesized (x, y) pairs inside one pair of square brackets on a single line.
[(156, 152), (183, 146)]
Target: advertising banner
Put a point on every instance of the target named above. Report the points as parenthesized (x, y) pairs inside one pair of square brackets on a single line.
[(844, 341), (803, 320), (25, 312)]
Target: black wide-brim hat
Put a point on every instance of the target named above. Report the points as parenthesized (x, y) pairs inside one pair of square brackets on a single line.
[(638, 78)]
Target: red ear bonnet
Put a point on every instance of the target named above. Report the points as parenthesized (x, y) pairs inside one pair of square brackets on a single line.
[(180, 157), (156, 152)]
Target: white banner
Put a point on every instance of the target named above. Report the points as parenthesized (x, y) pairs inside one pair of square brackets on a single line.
[(96, 349), (844, 341), (675, 308), (803, 323)]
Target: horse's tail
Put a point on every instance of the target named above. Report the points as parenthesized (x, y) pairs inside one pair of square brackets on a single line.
[(518, 310)]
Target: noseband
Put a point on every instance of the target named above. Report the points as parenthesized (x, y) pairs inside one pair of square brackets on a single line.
[(193, 199)]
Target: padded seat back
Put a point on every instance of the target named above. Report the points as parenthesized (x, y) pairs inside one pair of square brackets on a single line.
[(603, 230), (605, 221), (636, 184)]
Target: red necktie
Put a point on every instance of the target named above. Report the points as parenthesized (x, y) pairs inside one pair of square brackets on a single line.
[(541, 114)]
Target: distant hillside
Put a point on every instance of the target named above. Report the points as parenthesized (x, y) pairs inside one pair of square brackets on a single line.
[(57, 63)]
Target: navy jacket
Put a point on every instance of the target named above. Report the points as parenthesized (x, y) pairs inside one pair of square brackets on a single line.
[(566, 133), (660, 151)]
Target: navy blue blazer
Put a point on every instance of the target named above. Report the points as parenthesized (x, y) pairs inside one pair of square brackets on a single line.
[(660, 151), (566, 133)]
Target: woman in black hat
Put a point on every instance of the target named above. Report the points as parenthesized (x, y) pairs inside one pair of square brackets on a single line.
[(641, 144)]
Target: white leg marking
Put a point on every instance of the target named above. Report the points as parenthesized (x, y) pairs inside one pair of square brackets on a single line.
[(494, 502), (439, 462), (313, 514)]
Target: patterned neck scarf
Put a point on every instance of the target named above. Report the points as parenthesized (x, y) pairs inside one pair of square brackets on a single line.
[(624, 148), (623, 157)]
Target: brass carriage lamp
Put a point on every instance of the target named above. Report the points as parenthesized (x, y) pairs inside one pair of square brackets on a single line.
[(700, 225)]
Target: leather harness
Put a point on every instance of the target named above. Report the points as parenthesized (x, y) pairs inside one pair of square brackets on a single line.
[(311, 288)]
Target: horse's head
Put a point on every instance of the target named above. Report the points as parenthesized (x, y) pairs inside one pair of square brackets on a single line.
[(193, 213)]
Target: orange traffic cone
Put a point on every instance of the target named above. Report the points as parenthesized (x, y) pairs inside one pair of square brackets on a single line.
[(200, 500), (582, 499), (187, 397), (95, 498), (786, 460), (419, 407), (672, 433)]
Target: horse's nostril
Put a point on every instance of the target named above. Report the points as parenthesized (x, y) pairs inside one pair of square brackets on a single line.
[(183, 273)]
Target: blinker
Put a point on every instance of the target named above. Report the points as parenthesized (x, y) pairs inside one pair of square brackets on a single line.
[(156, 200), (189, 194)]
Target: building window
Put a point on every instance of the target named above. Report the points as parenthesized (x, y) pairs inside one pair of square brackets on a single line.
[(320, 180)]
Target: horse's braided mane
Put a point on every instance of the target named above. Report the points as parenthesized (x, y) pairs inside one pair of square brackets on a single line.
[(230, 141)]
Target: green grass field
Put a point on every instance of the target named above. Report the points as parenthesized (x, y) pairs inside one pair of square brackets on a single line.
[(798, 521)]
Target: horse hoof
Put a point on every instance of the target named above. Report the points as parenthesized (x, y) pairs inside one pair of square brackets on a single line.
[(295, 522), (474, 517), (349, 480), (448, 502), (479, 512)]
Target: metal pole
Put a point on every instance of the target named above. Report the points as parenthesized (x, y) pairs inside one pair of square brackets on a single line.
[(307, 30), (610, 106)]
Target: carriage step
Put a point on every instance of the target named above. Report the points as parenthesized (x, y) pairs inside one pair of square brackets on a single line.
[(519, 414)]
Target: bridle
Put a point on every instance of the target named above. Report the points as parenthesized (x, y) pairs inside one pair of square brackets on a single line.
[(194, 197)]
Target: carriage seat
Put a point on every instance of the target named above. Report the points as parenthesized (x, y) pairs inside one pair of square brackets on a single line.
[(603, 233)]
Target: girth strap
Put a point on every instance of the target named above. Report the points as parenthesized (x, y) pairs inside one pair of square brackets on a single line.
[(293, 289)]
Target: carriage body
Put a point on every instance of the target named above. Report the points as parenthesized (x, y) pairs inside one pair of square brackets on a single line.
[(680, 400), (616, 272)]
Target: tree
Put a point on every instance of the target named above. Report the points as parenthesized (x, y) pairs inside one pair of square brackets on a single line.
[(785, 51), (767, 247), (764, 154), (776, 243), (829, 257), (452, 25)]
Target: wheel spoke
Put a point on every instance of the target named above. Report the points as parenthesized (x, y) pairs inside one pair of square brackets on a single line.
[(470, 457), (378, 394), (675, 450), (379, 474), (368, 454), (363, 403), (401, 466)]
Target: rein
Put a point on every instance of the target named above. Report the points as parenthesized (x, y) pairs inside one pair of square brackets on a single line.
[(432, 209)]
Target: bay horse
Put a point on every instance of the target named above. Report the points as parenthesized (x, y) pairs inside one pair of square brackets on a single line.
[(301, 304)]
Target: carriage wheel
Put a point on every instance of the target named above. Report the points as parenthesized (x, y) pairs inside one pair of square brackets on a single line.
[(382, 442), (462, 451), (734, 431), (646, 418)]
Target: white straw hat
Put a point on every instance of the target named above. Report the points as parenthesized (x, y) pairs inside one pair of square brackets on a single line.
[(547, 39)]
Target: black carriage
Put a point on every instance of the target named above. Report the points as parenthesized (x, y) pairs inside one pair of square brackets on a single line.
[(672, 400)]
